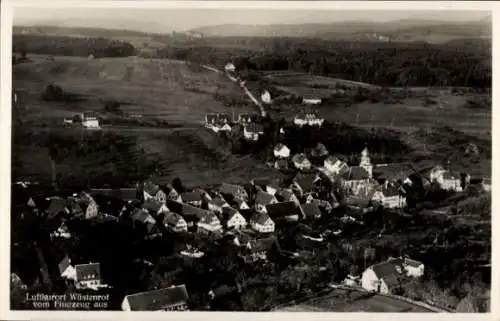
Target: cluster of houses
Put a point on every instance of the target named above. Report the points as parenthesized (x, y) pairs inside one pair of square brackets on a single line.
[(89, 120), (367, 183), (252, 128)]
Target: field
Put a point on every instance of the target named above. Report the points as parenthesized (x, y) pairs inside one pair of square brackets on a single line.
[(176, 93)]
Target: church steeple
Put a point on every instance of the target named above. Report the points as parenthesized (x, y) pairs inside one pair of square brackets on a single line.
[(366, 162)]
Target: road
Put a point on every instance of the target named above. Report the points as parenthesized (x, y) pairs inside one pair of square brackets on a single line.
[(245, 89)]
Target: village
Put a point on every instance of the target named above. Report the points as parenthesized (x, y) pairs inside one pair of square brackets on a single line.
[(247, 215)]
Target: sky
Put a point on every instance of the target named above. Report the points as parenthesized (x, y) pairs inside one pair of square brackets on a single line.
[(168, 19)]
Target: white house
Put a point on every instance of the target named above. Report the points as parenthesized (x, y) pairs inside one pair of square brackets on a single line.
[(90, 120), (175, 222), (233, 218), (230, 67), (301, 162), (310, 119), (253, 131), (217, 122), (209, 223), (262, 223), (281, 151), (153, 191), (311, 101), (266, 97), (335, 166), (390, 195), (88, 276), (384, 277)]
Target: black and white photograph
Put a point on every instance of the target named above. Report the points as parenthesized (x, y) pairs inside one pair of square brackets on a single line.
[(240, 158)]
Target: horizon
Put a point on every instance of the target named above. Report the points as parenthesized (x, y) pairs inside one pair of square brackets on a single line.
[(182, 19)]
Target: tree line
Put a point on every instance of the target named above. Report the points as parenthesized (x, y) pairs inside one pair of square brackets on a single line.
[(387, 64), (71, 46)]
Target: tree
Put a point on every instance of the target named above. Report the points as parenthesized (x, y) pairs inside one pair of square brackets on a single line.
[(178, 186)]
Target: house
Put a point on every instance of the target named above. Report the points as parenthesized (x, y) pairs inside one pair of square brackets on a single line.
[(62, 232), (171, 193), (247, 118), (301, 162), (390, 195), (88, 205), (311, 101), (233, 191), (192, 198), (309, 119), (281, 151), (286, 195), (262, 223), (242, 240), (217, 122), (175, 222), (57, 206), (230, 67), (174, 298), (142, 216), (66, 269), (191, 251), (281, 164), (305, 184), (319, 151), (217, 204), (286, 211), (311, 210), (266, 97), (154, 208), (253, 131), (324, 206), (152, 231), (88, 276), (451, 182), (258, 249), (486, 184), (263, 199), (233, 219), (335, 166), (240, 204), (90, 120), (151, 190), (394, 172), (209, 223), (265, 185), (386, 276)]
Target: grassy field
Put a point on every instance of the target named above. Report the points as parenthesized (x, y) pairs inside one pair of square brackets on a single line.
[(172, 91)]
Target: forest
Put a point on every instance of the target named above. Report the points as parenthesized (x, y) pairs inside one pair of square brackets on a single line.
[(385, 64), (71, 46)]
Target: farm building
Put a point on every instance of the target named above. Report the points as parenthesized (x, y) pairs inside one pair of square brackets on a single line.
[(90, 120), (309, 119)]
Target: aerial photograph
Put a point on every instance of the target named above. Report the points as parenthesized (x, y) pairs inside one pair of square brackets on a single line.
[(248, 159)]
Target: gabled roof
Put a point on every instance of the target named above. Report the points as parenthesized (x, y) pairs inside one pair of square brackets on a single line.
[(187, 211), (57, 206), (262, 181), (299, 158), (284, 194), (283, 209), (390, 189), (217, 201), (263, 198), (451, 176), (64, 264), (254, 128), (279, 147), (152, 205), (319, 151), (311, 209), (140, 215), (263, 244), (191, 197), (331, 159), (260, 218), (90, 271), (306, 181), (151, 188), (229, 212), (356, 173), (412, 263), (393, 171), (171, 218), (157, 299), (230, 189), (152, 228)]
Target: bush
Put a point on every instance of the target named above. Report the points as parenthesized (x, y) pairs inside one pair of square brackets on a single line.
[(53, 93)]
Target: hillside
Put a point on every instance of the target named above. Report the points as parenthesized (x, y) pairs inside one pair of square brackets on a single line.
[(172, 98)]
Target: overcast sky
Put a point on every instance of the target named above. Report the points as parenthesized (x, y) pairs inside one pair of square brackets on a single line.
[(183, 19)]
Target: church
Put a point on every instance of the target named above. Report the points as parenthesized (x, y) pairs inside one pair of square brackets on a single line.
[(358, 180)]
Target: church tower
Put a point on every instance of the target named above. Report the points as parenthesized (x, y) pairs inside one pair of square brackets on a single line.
[(366, 162)]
